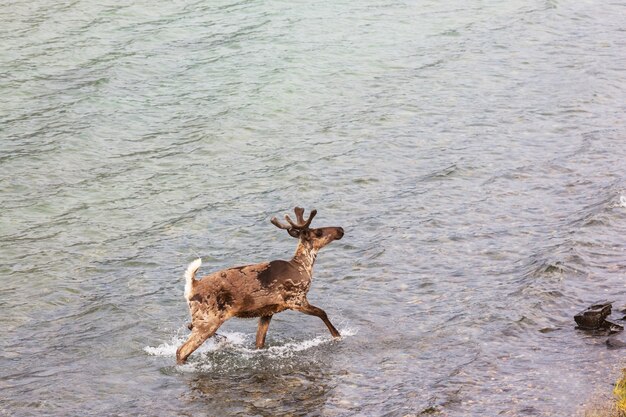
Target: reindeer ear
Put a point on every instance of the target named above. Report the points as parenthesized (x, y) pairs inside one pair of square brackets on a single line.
[(294, 232)]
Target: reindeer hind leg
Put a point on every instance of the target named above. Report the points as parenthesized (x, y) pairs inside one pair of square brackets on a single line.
[(318, 312), (264, 324)]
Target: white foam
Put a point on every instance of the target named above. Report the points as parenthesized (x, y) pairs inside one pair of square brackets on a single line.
[(215, 343), (619, 204), (241, 345), (289, 349)]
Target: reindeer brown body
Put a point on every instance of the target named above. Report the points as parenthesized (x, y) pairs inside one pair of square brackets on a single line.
[(260, 290)]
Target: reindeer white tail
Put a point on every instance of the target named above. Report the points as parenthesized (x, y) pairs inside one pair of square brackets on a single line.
[(190, 274)]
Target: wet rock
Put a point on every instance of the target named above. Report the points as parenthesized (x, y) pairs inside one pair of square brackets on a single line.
[(612, 327), (594, 317)]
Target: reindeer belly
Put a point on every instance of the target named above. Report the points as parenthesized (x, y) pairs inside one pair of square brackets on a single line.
[(267, 310)]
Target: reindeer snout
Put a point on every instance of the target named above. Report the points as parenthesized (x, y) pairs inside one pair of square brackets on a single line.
[(339, 233)]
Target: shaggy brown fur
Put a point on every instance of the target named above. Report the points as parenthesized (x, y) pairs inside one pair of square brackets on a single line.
[(260, 290)]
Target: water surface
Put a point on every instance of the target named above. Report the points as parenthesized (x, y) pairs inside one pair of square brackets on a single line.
[(474, 152)]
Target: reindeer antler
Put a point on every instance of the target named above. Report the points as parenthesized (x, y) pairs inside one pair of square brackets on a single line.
[(292, 226)]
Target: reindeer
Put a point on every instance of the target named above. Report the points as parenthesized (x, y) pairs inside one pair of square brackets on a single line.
[(260, 290)]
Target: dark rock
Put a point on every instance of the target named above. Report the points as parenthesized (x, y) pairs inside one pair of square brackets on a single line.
[(594, 317)]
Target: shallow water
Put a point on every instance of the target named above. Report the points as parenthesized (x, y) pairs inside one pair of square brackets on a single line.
[(474, 152)]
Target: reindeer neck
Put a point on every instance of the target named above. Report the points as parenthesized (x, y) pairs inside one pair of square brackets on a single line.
[(305, 257)]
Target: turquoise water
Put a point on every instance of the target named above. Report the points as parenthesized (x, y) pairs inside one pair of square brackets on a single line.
[(474, 152)]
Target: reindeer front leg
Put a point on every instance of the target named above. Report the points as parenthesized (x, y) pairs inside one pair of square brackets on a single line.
[(318, 312), (198, 336), (264, 324)]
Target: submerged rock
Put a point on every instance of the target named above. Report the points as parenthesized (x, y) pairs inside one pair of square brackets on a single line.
[(616, 342), (594, 317)]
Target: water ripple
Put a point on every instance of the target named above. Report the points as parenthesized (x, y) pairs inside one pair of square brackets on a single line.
[(473, 152)]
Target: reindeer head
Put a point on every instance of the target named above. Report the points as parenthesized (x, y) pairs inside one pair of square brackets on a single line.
[(316, 238)]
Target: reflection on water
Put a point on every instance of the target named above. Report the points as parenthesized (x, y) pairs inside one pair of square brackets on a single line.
[(473, 152), (230, 375), (267, 393)]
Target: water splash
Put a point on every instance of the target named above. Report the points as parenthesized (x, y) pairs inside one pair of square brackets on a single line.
[(237, 345), (620, 203), (213, 344)]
